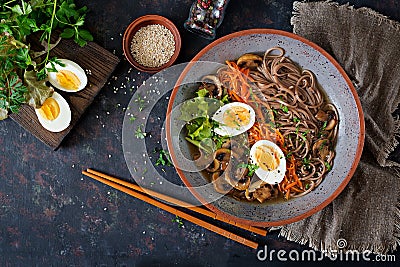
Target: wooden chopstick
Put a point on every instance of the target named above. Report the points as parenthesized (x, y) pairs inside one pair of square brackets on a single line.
[(174, 211), (179, 202)]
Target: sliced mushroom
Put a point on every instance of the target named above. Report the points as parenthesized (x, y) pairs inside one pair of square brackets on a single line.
[(256, 184), (321, 115), (249, 61), (220, 184), (222, 154), (215, 88), (249, 195), (214, 166), (238, 178), (243, 183), (226, 144), (262, 194), (331, 124), (321, 148), (238, 195)]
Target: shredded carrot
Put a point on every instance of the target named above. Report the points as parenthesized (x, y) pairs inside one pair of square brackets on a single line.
[(290, 185)]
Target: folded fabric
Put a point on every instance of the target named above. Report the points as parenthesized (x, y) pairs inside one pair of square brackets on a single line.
[(366, 44)]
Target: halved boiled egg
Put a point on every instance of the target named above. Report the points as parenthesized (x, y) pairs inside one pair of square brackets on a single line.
[(271, 161), (68, 78), (234, 118), (55, 114)]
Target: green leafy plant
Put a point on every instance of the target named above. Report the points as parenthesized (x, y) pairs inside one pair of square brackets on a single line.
[(20, 20)]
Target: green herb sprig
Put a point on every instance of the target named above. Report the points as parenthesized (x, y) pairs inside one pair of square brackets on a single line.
[(19, 20)]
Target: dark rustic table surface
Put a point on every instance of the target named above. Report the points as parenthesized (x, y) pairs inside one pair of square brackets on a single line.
[(50, 215)]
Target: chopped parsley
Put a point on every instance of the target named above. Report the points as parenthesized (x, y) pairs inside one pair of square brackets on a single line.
[(140, 102), (179, 221), (251, 167), (306, 161), (305, 133), (164, 158), (284, 108), (132, 118), (289, 154), (225, 99), (328, 166), (139, 133), (324, 126)]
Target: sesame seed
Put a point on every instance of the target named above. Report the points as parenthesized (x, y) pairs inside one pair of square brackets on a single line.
[(153, 45)]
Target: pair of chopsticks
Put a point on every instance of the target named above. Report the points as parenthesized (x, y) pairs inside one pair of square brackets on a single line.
[(143, 194)]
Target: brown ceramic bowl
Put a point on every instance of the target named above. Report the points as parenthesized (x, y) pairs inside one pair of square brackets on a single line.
[(338, 89), (142, 22)]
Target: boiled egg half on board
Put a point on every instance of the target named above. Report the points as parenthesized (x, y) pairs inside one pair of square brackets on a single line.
[(234, 118), (69, 78), (271, 161), (55, 113)]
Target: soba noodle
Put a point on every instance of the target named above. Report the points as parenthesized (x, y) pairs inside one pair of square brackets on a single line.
[(305, 123)]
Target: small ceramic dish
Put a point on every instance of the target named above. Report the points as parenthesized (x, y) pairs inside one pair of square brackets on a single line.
[(138, 24)]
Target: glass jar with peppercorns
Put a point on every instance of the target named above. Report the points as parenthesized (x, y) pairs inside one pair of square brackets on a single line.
[(205, 17)]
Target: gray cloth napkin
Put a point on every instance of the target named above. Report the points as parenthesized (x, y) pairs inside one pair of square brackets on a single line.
[(366, 44)]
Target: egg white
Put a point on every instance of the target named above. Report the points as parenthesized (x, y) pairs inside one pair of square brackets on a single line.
[(225, 130), (274, 176), (74, 68), (62, 121)]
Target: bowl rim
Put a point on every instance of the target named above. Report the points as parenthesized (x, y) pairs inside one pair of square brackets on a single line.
[(360, 141), (157, 19)]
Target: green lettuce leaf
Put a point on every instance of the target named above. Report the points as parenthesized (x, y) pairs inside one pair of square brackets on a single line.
[(38, 91)]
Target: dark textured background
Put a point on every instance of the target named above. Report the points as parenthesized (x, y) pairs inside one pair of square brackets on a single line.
[(50, 215)]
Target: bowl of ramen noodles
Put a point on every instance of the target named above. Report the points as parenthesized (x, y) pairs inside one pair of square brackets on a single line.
[(264, 127)]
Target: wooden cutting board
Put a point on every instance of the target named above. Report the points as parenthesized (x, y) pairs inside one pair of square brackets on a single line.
[(100, 63)]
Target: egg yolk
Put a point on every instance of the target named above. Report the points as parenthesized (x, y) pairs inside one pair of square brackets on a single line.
[(68, 80), (50, 109), (267, 158), (236, 117)]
